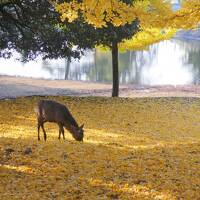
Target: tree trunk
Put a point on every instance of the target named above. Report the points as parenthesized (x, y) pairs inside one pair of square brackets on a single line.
[(115, 89), (67, 65)]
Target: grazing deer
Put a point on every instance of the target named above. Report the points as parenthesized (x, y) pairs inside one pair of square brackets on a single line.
[(52, 111)]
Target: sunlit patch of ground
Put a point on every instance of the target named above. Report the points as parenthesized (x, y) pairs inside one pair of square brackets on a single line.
[(133, 149)]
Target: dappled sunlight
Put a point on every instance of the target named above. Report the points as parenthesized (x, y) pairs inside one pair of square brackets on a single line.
[(132, 149), (119, 140), (135, 190), (25, 169), (96, 136)]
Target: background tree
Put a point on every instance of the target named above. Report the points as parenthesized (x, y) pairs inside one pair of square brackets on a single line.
[(32, 28)]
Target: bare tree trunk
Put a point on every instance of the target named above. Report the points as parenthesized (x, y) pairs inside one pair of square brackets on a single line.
[(95, 64), (67, 65), (115, 89)]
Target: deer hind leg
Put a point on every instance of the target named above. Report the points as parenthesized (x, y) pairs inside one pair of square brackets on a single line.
[(61, 130), (38, 128), (45, 135)]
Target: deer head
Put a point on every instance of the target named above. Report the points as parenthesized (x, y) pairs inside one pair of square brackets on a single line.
[(77, 132)]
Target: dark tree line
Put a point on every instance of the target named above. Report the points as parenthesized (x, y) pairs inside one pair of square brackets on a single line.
[(33, 28)]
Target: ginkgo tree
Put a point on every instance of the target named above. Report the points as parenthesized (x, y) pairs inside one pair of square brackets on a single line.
[(148, 21), (113, 22)]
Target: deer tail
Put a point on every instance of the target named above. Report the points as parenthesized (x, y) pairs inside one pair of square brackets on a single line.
[(36, 109)]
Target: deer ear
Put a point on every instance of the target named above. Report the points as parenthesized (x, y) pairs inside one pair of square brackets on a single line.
[(81, 127)]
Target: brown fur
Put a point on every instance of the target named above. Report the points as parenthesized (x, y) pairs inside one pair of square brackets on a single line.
[(52, 111)]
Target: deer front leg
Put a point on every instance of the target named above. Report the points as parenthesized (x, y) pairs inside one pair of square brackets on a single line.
[(63, 133), (38, 131), (61, 130)]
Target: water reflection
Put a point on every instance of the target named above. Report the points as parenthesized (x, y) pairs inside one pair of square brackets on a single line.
[(168, 62)]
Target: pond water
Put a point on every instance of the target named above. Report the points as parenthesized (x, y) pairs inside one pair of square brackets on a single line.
[(172, 62)]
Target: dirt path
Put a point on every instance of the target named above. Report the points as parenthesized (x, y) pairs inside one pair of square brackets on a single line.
[(12, 87)]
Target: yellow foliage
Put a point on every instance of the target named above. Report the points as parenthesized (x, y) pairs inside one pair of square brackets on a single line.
[(189, 14), (151, 13), (99, 13), (157, 20), (133, 149), (143, 39)]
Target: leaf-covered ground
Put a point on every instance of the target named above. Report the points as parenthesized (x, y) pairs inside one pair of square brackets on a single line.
[(133, 149)]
